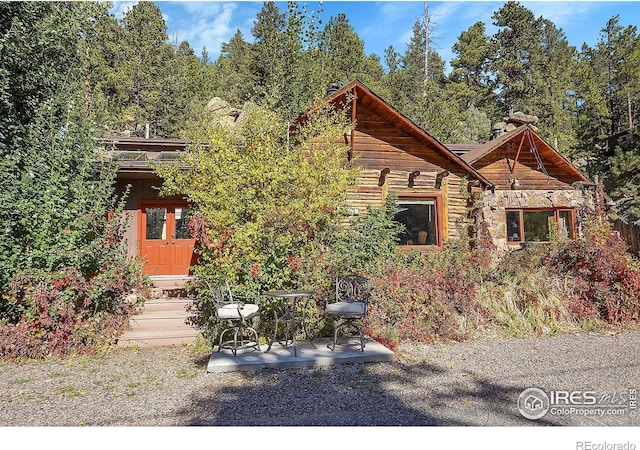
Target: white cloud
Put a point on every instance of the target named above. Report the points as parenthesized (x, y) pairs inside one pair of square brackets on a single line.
[(121, 8), (562, 14), (211, 26), (208, 24)]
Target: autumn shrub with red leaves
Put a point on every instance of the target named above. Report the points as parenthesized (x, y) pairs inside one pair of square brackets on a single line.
[(62, 313), (428, 296), (442, 295), (594, 277), (66, 312), (604, 277)]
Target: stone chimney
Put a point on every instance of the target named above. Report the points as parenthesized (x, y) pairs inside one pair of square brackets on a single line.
[(512, 122)]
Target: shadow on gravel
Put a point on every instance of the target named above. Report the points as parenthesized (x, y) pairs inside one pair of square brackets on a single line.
[(356, 395)]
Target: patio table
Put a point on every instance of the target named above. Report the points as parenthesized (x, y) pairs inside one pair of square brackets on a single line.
[(290, 315)]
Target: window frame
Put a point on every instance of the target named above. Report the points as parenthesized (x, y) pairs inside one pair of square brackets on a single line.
[(556, 218), (437, 199)]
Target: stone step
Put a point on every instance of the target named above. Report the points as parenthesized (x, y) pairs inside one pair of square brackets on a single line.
[(170, 285), (160, 322), (157, 338), (167, 304)]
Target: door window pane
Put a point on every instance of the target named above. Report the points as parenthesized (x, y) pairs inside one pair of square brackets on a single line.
[(156, 223), (183, 216), (536, 225), (420, 221), (513, 226)]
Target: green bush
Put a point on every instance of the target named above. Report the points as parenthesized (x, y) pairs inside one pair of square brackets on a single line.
[(64, 270)]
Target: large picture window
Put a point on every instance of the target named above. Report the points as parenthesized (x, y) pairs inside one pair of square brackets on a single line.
[(535, 225), (420, 219)]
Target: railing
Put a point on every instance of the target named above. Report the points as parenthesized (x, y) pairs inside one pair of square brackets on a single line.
[(630, 233)]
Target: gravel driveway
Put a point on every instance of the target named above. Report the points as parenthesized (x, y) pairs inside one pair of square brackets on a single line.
[(471, 383)]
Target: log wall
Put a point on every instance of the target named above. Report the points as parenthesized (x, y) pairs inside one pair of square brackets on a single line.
[(378, 145)]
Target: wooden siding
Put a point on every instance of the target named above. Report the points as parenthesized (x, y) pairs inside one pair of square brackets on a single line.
[(515, 158), (526, 172), (378, 144), (630, 233), (378, 141), (367, 193)]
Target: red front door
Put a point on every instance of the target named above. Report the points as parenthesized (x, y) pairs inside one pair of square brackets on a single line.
[(163, 233)]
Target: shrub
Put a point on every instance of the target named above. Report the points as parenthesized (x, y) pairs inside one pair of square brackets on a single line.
[(428, 296), (368, 242), (594, 279), (61, 313), (605, 278), (274, 232), (63, 267), (563, 286)]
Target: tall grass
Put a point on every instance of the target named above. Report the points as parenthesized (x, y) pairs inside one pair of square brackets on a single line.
[(590, 284)]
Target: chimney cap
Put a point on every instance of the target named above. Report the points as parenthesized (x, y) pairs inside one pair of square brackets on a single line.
[(332, 88)]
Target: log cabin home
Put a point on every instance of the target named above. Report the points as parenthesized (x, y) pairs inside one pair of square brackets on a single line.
[(517, 182), (157, 227), (535, 189), (434, 186)]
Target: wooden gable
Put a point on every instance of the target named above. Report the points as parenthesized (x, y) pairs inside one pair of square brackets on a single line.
[(521, 159), (395, 155), (385, 138)]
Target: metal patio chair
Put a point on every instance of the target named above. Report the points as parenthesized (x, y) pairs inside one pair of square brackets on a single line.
[(350, 307), (236, 311)]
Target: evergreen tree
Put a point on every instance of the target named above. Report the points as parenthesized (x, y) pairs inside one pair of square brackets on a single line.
[(425, 101), (342, 50), (144, 63), (515, 46), (98, 50), (553, 71), (269, 58), (471, 86), (235, 80), (607, 97), (470, 66)]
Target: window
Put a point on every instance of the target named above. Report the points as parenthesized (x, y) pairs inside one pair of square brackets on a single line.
[(565, 223), (535, 225), (420, 219), (156, 223), (182, 217)]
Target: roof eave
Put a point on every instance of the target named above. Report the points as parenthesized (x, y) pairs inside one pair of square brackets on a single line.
[(417, 131)]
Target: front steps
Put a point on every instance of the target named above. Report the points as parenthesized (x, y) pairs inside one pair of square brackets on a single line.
[(170, 285), (162, 320)]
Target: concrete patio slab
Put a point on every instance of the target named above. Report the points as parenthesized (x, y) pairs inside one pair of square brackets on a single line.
[(281, 357)]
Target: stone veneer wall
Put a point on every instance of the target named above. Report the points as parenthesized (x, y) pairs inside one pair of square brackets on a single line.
[(494, 204)]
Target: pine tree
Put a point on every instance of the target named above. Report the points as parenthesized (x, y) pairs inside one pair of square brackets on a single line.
[(515, 45), (470, 66), (607, 95), (144, 63)]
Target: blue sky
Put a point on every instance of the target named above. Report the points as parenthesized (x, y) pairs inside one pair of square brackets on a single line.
[(384, 23)]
